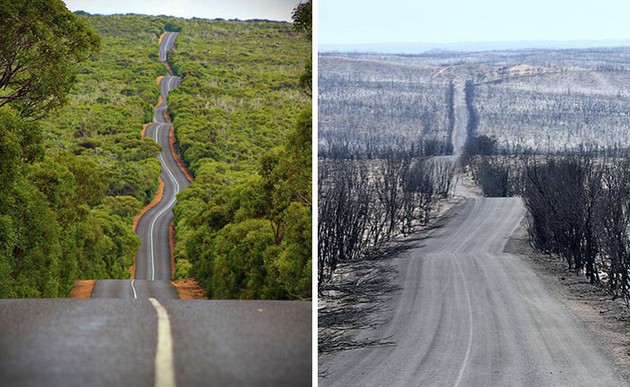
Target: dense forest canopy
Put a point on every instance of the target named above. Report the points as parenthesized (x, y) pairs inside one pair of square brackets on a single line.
[(40, 44), (244, 129), (75, 168), (49, 232)]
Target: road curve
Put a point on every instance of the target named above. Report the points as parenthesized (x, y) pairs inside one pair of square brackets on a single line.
[(153, 260), (167, 43), (469, 314)]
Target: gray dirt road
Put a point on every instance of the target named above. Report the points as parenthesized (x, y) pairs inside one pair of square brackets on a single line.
[(470, 315), (461, 119), (113, 342), (153, 262)]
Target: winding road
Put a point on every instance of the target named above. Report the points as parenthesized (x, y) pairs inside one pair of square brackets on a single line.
[(137, 333), (153, 261)]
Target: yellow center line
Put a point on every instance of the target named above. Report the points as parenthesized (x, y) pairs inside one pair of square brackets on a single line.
[(164, 361)]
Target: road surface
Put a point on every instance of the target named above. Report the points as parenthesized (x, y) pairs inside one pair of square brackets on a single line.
[(460, 130), (167, 43), (113, 342), (471, 315), (458, 138), (153, 261)]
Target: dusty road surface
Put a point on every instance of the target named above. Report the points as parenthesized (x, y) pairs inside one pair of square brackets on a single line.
[(470, 315)]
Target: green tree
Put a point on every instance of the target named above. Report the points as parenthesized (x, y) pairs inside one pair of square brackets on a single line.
[(40, 44), (55, 224), (303, 18), (303, 21), (242, 123)]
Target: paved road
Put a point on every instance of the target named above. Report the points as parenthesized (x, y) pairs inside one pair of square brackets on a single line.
[(113, 342), (134, 288), (471, 315), (167, 43), (153, 262)]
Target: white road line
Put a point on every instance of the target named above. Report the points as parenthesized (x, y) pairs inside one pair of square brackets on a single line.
[(470, 328), (135, 295), (164, 361), (169, 36), (462, 369), (171, 175), (169, 88), (441, 71), (171, 202), (167, 43), (163, 48)]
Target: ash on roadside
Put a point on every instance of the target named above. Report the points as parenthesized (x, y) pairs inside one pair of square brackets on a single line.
[(354, 303)]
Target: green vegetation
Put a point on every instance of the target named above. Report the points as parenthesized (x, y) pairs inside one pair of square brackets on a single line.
[(75, 169), (244, 129), (73, 181), (99, 130), (49, 234), (40, 44), (113, 97)]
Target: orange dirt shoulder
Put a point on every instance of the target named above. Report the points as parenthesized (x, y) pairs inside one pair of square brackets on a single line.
[(161, 37), (144, 129), (178, 157), (189, 289), (171, 242), (168, 68), (154, 202), (83, 288)]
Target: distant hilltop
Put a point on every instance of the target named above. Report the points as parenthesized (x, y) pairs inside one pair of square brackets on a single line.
[(419, 48)]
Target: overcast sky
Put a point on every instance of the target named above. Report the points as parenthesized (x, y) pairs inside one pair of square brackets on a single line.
[(452, 21), (209, 9)]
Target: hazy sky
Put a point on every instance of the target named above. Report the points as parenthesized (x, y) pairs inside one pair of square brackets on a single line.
[(209, 9), (450, 21)]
